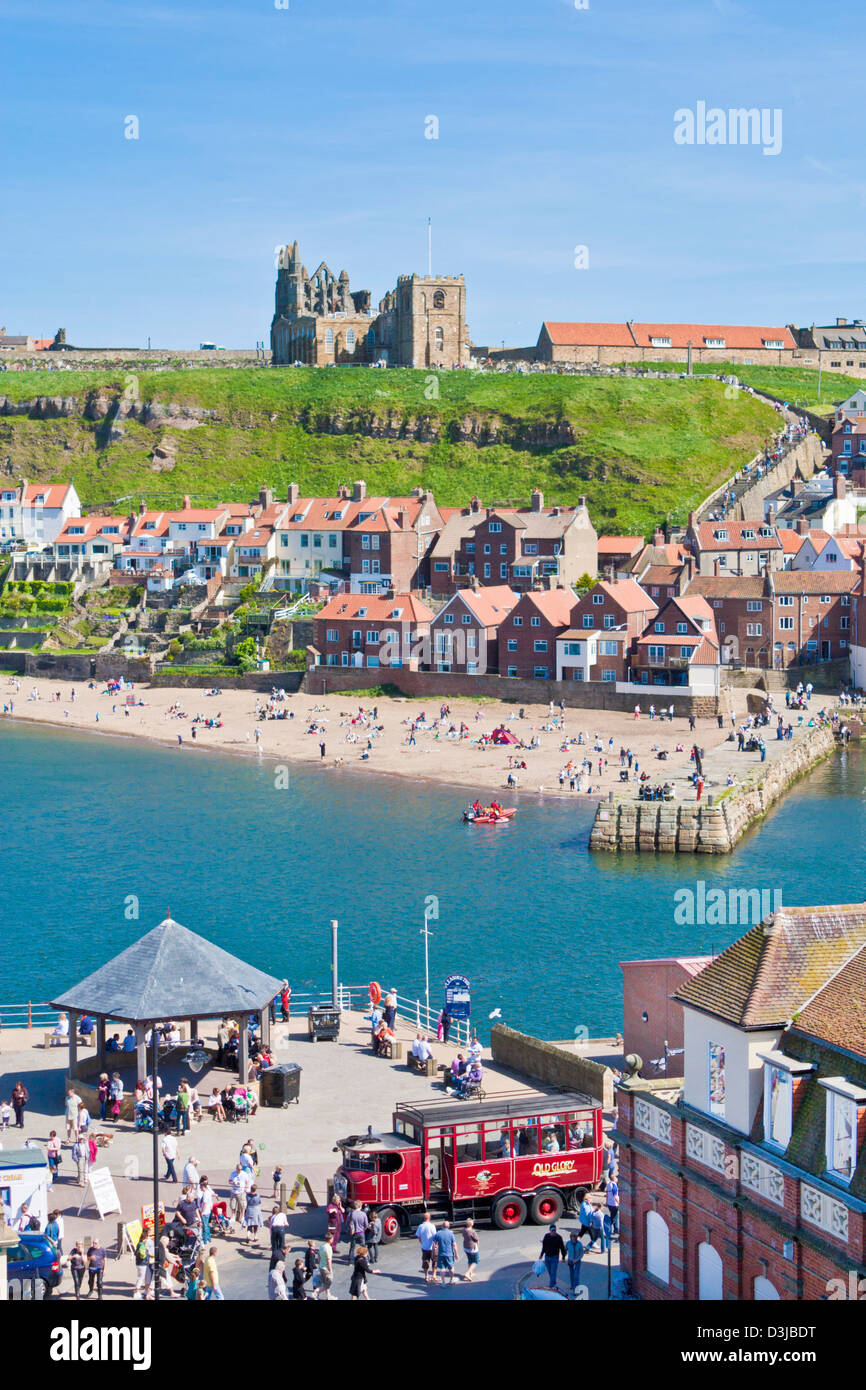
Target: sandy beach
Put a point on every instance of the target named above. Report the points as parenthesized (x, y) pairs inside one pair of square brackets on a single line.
[(434, 756)]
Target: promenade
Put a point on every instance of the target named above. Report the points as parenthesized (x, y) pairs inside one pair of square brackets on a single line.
[(344, 1088)]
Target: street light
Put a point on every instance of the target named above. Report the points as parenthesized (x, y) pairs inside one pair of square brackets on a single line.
[(154, 1041), (426, 933)]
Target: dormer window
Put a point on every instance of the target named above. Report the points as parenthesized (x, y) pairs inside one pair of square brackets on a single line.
[(660, 342), (720, 535), (714, 342), (842, 1105), (362, 612), (772, 342), (748, 535), (299, 516), (779, 1073)]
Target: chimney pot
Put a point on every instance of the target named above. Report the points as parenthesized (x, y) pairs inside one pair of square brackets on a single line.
[(359, 491), (537, 500), (293, 494), (658, 537), (186, 502)]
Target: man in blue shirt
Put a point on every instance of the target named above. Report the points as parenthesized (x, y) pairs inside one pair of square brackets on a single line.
[(129, 1041), (446, 1248)]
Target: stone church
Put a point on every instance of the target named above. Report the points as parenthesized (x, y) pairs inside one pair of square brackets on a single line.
[(319, 321)]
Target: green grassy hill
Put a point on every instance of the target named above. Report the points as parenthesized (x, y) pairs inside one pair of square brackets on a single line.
[(640, 450)]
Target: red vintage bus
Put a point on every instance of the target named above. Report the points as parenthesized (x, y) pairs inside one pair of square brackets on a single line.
[(520, 1155)]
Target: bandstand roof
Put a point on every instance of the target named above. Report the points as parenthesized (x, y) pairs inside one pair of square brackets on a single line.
[(170, 973)]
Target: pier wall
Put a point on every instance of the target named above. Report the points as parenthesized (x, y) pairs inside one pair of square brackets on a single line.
[(712, 826), (551, 1064)]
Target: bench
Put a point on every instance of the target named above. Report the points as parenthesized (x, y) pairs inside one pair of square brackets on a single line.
[(427, 1068), (393, 1049), (54, 1039)]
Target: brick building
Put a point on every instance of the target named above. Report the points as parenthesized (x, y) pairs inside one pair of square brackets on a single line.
[(734, 547), (371, 631), (785, 618), (605, 343), (525, 547), (465, 633), (614, 603), (746, 1178), (527, 637), (652, 1019), (320, 322), (678, 647)]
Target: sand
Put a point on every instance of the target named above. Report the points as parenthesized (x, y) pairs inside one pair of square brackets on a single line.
[(462, 763)]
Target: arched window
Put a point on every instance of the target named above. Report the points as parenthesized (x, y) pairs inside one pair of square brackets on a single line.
[(658, 1246), (710, 1273), (439, 338), (763, 1290), (439, 299)]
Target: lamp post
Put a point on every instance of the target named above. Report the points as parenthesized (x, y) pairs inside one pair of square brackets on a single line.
[(426, 933), (154, 1079)]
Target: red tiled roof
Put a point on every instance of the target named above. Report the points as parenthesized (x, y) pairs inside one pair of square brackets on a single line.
[(735, 335), (628, 594), (704, 533), (738, 586), (791, 541), (619, 545), (491, 604), (345, 607), (588, 334), (814, 581)]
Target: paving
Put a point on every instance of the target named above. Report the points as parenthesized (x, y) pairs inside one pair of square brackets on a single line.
[(343, 1089)]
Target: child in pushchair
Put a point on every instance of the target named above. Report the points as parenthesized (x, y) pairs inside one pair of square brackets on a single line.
[(219, 1219)]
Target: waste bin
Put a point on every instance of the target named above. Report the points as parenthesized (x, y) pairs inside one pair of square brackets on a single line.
[(323, 1021), (280, 1085)]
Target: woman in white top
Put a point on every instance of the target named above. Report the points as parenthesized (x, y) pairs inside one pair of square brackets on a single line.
[(62, 1027)]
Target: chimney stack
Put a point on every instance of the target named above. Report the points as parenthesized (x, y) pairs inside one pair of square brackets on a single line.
[(403, 518), (343, 493), (142, 507), (475, 504), (537, 500), (796, 487), (266, 497), (658, 537), (839, 488), (581, 502), (293, 494), (693, 521), (802, 526), (359, 491), (186, 502)]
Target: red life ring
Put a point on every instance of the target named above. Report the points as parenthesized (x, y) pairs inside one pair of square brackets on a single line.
[(375, 992)]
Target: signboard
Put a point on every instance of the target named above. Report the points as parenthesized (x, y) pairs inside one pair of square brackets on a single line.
[(457, 996), (147, 1217), (296, 1192), (103, 1191)]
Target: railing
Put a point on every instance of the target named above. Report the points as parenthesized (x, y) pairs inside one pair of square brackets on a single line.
[(356, 997)]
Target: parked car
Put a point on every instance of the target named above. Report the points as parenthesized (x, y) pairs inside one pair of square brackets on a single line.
[(35, 1257)]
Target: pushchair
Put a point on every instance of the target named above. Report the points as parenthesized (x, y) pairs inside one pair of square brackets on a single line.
[(143, 1115), (219, 1219)]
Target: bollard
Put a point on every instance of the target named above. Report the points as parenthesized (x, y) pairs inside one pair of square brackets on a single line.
[(282, 1196), (710, 799), (610, 796)]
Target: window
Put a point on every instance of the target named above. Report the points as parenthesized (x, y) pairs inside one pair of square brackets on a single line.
[(587, 620), (786, 624), (607, 649), (753, 605), (572, 648), (494, 526), (658, 1244), (786, 601), (608, 675), (518, 621), (841, 1127), (540, 673), (577, 674), (686, 651), (441, 566), (658, 627), (448, 617), (503, 571), (710, 1273), (374, 542), (598, 599), (656, 655), (438, 338), (535, 621), (753, 629), (512, 644), (317, 542), (778, 1105), (682, 627), (470, 547), (329, 339), (540, 645), (372, 636), (487, 550), (486, 571), (365, 542), (332, 635), (716, 1080), (609, 620), (530, 548), (350, 338), (660, 342), (503, 550), (714, 342), (466, 620), (439, 300)]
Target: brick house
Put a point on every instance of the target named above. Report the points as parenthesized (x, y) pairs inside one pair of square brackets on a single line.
[(848, 448), (744, 1179), (787, 618), (734, 547), (465, 633), (526, 548), (743, 612), (679, 647), (371, 630), (387, 539), (527, 637), (618, 551), (612, 604)]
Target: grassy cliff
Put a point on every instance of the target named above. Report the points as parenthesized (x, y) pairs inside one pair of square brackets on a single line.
[(640, 450)]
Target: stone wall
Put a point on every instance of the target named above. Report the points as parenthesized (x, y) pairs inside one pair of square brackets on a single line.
[(185, 678), (802, 462), (712, 826), (550, 1064), (435, 685), (824, 675)]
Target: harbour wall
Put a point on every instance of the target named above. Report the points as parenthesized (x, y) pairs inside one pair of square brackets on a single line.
[(551, 1064), (713, 826)]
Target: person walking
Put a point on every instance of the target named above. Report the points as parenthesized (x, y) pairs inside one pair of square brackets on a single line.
[(183, 1104), (321, 750), (326, 1269), (446, 1251), (360, 1270), (240, 1183), (205, 1204), (277, 1286), (77, 1265), (103, 1094), (470, 1249), (81, 1157), (552, 1251), (252, 1219), (20, 1098), (169, 1153), (426, 1234), (278, 1227), (143, 1265), (211, 1276), (597, 1229), (358, 1224), (585, 1211), (611, 1197), (574, 1252), (54, 1152), (374, 1238), (95, 1268)]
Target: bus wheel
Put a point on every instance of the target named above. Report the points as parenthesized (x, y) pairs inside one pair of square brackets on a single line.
[(509, 1213), (390, 1225), (547, 1206)]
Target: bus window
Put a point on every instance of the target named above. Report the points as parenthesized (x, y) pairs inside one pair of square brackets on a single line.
[(497, 1140), (440, 1144), (552, 1138), (581, 1131), (526, 1136), (468, 1139)]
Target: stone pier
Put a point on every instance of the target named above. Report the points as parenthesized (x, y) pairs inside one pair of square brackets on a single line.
[(711, 826)]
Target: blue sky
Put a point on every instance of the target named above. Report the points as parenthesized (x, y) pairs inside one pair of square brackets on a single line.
[(259, 125)]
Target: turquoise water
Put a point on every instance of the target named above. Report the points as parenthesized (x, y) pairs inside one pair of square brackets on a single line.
[(537, 924)]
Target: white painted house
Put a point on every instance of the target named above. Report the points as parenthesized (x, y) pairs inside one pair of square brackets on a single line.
[(36, 512)]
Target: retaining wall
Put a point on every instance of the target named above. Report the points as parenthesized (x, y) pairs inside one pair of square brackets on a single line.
[(802, 462), (709, 827), (550, 1064), (434, 685)]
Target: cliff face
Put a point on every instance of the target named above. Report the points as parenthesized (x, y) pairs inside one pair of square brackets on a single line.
[(99, 405)]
